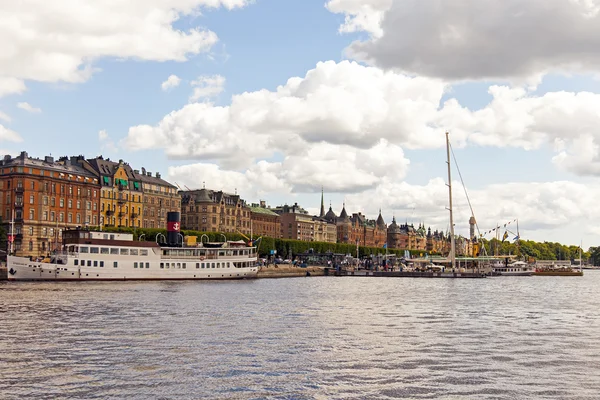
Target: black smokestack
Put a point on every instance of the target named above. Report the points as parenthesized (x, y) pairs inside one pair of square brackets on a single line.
[(173, 227)]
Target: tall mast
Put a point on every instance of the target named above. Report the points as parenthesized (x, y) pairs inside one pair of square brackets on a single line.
[(452, 244), (12, 232)]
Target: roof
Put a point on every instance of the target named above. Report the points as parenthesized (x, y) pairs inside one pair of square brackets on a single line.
[(62, 166), (264, 211)]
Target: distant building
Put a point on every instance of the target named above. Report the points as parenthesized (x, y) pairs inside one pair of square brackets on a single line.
[(265, 222), (214, 211), (160, 197), (360, 230)]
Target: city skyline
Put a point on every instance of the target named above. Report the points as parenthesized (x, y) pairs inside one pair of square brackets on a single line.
[(248, 96)]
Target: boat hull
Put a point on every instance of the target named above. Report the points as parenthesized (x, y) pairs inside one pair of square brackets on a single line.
[(23, 269), (558, 273)]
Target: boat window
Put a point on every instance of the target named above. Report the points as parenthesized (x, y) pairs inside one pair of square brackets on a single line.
[(124, 252), (213, 265), (83, 249), (135, 265), (202, 265), (202, 252), (94, 250), (95, 263), (104, 250), (189, 253), (162, 265), (105, 236), (133, 252), (114, 250), (143, 252), (147, 265), (221, 253), (197, 265), (115, 264), (112, 237), (235, 252), (178, 265), (76, 262), (183, 266), (101, 264), (89, 263)]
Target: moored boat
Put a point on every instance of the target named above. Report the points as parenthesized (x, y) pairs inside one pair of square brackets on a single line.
[(517, 268), (557, 271), (90, 255)]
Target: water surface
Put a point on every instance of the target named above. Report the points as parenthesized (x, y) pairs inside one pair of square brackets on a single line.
[(303, 338)]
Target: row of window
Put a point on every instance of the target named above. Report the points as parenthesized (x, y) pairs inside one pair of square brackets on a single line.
[(48, 186), (113, 250), (90, 263)]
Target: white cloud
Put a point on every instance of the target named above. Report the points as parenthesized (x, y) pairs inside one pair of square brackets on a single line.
[(9, 85), (171, 82), (56, 41), (9, 135), (28, 107), (207, 87), (5, 117), (475, 39), (106, 143)]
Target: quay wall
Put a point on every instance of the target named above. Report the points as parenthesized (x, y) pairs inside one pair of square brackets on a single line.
[(287, 271)]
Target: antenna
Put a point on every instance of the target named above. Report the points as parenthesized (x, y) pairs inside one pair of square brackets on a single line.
[(203, 185), (178, 186)]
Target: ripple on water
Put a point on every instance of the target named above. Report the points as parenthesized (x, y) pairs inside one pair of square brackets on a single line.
[(314, 338)]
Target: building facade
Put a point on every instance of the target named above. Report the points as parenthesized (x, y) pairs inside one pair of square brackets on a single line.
[(214, 211), (159, 198), (265, 222), (43, 197), (358, 229), (121, 196)]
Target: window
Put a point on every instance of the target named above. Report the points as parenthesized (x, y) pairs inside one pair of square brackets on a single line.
[(70, 203), (197, 265), (183, 266), (95, 263), (62, 202), (83, 250), (147, 265), (116, 264), (51, 215), (70, 218), (133, 252), (30, 199), (79, 204), (31, 213), (76, 262), (104, 250), (213, 265), (101, 264), (162, 265), (135, 265), (94, 250), (89, 263), (124, 252), (143, 252), (61, 217)]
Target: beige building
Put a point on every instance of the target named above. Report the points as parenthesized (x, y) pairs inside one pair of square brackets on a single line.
[(214, 211), (160, 197)]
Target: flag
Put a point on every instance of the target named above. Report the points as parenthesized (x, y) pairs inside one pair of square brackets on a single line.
[(385, 245), (255, 241), (517, 237), (504, 236)]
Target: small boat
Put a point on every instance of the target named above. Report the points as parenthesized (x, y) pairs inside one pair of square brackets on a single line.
[(517, 268), (557, 271)]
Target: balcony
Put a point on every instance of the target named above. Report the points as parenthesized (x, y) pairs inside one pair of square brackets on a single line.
[(134, 215), (110, 213), (121, 214), (19, 189), (19, 204), (121, 200)]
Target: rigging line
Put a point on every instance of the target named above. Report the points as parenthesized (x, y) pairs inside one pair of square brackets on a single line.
[(465, 189)]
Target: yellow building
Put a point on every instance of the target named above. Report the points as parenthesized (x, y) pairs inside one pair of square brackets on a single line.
[(121, 195)]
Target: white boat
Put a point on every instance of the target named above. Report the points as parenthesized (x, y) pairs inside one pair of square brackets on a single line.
[(89, 255), (517, 268)]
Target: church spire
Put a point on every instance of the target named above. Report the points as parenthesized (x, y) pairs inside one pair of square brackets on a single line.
[(322, 204)]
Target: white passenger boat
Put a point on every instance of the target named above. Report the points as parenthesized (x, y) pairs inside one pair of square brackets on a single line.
[(89, 255), (517, 268)]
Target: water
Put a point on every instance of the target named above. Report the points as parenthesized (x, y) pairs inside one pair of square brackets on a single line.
[(303, 338)]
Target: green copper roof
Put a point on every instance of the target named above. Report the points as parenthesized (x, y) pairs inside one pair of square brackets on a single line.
[(261, 210)]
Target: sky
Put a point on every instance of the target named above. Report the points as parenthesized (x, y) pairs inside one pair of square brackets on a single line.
[(277, 100)]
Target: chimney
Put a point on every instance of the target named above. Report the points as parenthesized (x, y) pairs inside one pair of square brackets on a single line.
[(135, 171), (149, 173), (48, 159), (23, 155), (158, 174), (143, 171), (263, 204)]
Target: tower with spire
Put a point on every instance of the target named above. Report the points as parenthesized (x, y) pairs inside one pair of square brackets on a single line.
[(322, 214)]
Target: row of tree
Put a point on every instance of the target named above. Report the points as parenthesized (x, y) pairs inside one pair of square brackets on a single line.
[(540, 250)]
